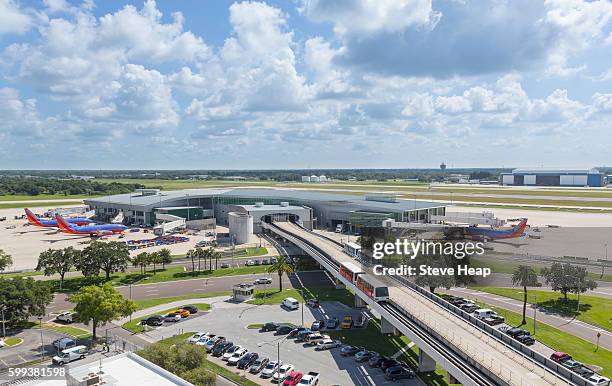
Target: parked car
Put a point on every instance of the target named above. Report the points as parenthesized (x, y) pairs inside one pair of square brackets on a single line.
[(347, 322), (583, 371), (283, 330), (270, 326), (230, 351), (310, 379), (331, 324), (196, 337), (296, 331), (172, 317), (237, 356), (302, 336), (363, 356), (69, 355), (221, 348), (263, 280), (399, 372), (205, 339), (265, 262), (560, 356), (293, 378), (317, 325), (290, 304), (224, 265), (483, 313), (376, 360), (64, 343), (183, 313), (282, 373), (247, 360), (598, 380), (571, 364), (270, 369), (349, 351), (211, 343), (388, 364), (494, 320), (525, 339), (250, 263), (258, 365), (315, 338), (154, 320), (65, 317), (191, 309), (314, 302), (327, 344), (360, 321)]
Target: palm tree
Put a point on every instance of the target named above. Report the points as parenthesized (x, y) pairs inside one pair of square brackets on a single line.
[(155, 258), (199, 254), (166, 257), (141, 260), (192, 254), (525, 275), (282, 266)]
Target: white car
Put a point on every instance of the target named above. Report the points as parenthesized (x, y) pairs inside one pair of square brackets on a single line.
[(236, 356), (250, 263), (263, 280), (282, 373), (172, 318), (2, 344), (197, 336), (226, 355), (205, 339), (598, 380), (66, 317), (327, 344), (270, 369)]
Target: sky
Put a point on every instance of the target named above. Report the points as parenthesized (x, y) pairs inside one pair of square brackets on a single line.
[(213, 84)]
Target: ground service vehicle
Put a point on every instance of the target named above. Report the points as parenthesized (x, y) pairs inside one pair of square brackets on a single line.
[(290, 303), (293, 378), (373, 288), (347, 322), (258, 365), (310, 379), (69, 355)]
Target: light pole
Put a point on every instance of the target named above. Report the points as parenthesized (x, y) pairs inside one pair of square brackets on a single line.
[(131, 299), (303, 300), (278, 343), (604, 263), (42, 344), (3, 322)]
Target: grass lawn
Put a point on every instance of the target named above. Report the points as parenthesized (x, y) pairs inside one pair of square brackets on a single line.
[(273, 296), (10, 205), (500, 266), (594, 310), (20, 274), (12, 341), (69, 330), (580, 349), (147, 303), (212, 367), (159, 276), (135, 327), (42, 197)]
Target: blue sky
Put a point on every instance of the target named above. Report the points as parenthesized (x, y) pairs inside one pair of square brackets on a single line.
[(305, 84)]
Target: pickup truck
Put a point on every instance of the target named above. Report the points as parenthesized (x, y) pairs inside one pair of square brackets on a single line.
[(310, 379)]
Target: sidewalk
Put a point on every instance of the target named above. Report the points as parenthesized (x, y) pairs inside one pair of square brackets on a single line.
[(575, 327)]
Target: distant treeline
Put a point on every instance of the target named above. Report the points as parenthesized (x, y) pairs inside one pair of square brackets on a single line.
[(424, 175), (33, 186)]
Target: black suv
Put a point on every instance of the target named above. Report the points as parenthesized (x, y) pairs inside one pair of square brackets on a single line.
[(247, 360), (270, 326), (154, 320), (220, 349), (376, 360), (191, 309), (283, 330)]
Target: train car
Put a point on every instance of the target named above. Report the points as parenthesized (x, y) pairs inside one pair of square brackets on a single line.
[(373, 287), (353, 250), (350, 271)]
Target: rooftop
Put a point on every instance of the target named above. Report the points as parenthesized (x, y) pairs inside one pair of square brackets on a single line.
[(556, 170)]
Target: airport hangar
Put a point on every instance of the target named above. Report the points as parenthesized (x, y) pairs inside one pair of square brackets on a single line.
[(245, 209), (554, 177)]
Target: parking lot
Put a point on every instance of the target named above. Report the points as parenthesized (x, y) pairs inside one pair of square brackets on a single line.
[(29, 350), (231, 320)]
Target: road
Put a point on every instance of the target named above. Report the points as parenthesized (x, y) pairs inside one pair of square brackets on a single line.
[(575, 327)]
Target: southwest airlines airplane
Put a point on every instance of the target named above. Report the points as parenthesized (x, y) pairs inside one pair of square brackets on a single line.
[(39, 222), (91, 230), (496, 234)]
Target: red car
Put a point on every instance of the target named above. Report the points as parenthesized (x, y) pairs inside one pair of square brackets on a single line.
[(293, 379), (560, 356)]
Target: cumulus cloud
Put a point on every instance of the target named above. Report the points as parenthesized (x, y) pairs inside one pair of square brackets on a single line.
[(13, 20)]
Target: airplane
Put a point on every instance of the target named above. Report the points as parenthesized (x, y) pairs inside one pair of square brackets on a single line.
[(39, 222), (91, 230), (496, 234)]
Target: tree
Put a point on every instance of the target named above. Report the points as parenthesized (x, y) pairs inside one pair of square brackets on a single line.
[(525, 276), (109, 257), (141, 260), (58, 261), (154, 258), (199, 254), (567, 278), (5, 260), (100, 304), (435, 281), (183, 359), (24, 298), (192, 255), (282, 266), (166, 257)]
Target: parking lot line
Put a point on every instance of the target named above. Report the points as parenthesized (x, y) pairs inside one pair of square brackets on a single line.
[(403, 350)]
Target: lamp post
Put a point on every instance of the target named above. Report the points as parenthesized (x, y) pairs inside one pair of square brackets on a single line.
[(131, 299), (278, 343), (3, 322), (303, 300), (42, 344)]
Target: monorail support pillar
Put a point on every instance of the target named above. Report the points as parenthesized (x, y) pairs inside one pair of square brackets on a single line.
[(451, 380), (426, 363), (340, 284), (386, 327), (359, 302)]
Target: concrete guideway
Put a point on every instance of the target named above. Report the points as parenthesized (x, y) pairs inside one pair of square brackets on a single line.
[(493, 355)]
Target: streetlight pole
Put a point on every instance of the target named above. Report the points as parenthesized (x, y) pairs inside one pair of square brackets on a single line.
[(3, 323), (42, 344), (535, 309), (303, 300), (131, 299)]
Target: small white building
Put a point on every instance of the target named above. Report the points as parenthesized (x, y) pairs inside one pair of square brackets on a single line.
[(314, 178), (305, 178), (242, 292), (322, 178)]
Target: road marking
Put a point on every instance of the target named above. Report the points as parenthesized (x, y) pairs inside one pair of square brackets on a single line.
[(22, 358), (403, 350)]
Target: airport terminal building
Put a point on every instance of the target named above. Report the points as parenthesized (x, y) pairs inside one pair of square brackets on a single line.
[(553, 177), (202, 208)]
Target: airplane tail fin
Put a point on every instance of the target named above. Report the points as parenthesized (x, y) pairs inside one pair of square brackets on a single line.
[(32, 219), (519, 229), (62, 224)]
